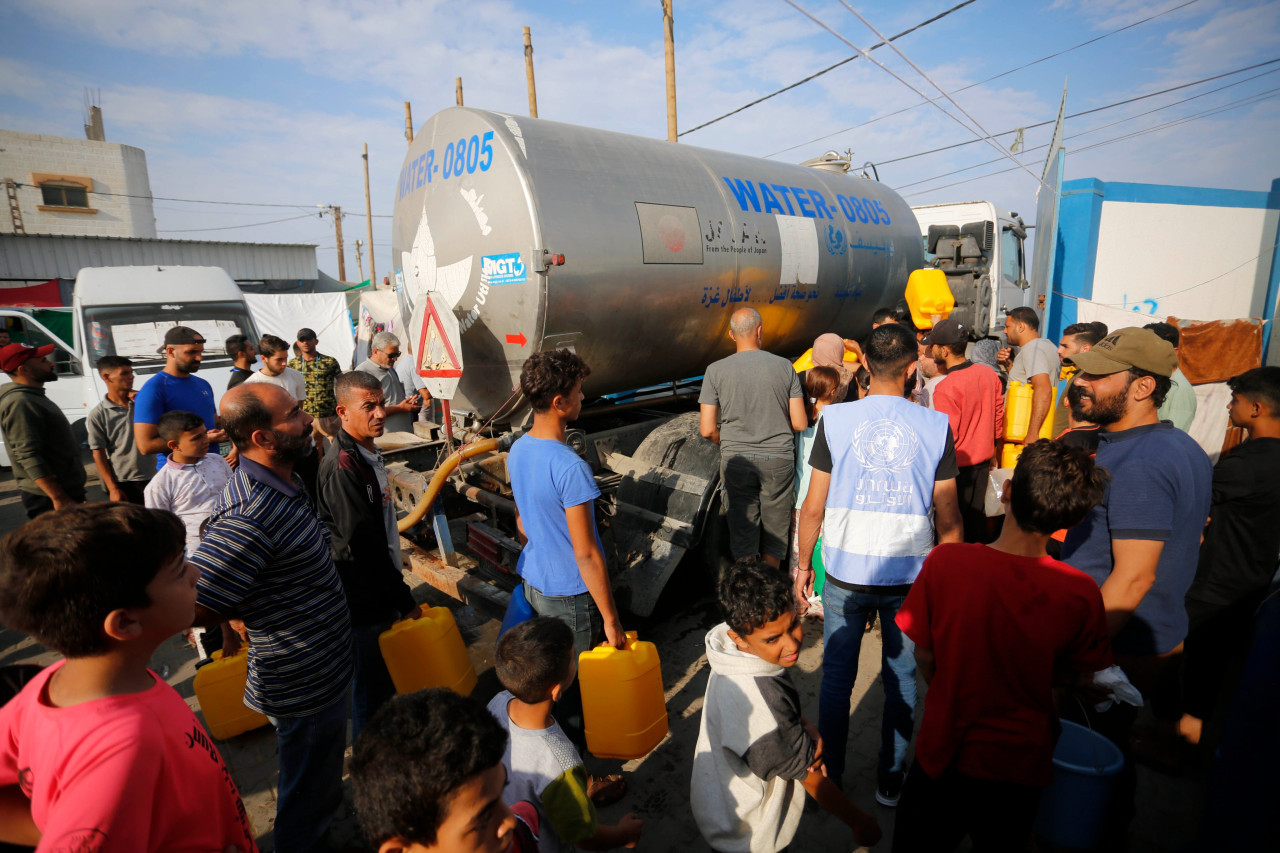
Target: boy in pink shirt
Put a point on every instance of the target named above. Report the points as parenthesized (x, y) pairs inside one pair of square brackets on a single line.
[(97, 753)]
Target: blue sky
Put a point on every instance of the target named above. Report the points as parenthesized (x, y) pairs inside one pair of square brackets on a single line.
[(269, 102)]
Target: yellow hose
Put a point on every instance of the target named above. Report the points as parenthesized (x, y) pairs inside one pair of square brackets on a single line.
[(442, 473)]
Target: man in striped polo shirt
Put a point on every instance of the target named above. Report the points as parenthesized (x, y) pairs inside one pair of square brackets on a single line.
[(265, 560)]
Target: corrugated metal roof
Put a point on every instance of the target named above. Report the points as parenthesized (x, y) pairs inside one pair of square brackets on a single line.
[(40, 257)]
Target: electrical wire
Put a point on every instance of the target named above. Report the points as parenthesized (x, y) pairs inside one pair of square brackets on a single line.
[(309, 207), (1122, 103), (1248, 101), (901, 187), (845, 61), (987, 138), (229, 227), (989, 79)]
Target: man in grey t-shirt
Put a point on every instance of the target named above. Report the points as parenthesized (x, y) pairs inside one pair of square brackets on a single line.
[(752, 406), (401, 408), (1036, 363)]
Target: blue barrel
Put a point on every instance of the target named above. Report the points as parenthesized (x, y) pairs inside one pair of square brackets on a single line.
[(1074, 808)]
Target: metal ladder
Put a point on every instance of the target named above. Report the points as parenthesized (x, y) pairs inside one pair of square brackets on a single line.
[(15, 210)]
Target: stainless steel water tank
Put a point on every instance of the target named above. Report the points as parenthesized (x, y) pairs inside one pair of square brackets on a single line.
[(660, 243)]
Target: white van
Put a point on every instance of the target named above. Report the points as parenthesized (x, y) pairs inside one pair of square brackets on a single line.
[(125, 311)]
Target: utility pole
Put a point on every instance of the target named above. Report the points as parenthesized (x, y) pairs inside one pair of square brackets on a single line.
[(668, 23), (368, 217), (459, 91), (359, 260), (336, 212), (408, 122), (528, 73)]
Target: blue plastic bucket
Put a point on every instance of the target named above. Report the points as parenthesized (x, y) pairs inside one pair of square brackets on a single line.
[(518, 610), (1074, 808)]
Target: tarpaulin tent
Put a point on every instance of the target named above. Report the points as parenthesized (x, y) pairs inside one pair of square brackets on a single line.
[(283, 314)]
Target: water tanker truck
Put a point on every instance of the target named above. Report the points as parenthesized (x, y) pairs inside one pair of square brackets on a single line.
[(535, 235)]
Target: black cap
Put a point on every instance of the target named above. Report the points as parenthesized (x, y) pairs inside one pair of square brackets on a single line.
[(947, 332), (306, 335)]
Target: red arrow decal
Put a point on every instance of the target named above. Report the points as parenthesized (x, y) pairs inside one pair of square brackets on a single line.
[(519, 340)]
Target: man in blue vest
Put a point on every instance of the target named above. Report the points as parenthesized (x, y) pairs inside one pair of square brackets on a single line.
[(883, 470)]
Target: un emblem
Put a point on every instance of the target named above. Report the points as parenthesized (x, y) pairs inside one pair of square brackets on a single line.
[(885, 445)]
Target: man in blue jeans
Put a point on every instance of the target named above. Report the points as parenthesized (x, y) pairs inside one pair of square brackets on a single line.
[(265, 560), (562, 564), (881, 467)]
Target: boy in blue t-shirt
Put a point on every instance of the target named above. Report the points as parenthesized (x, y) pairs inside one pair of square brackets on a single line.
[(562, 564)]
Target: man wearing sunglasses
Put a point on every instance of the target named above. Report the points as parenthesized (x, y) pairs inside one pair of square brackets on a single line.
[(401, 409)]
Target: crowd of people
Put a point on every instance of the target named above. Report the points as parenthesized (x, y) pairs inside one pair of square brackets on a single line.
[(858, 490)]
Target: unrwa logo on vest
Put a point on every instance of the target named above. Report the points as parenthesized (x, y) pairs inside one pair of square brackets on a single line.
[(885, 445)]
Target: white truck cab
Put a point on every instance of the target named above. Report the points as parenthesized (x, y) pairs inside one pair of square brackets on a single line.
[(126, 311), (980, 248)]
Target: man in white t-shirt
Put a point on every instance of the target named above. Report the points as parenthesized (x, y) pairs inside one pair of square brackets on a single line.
[(275, 369), (1036, 363)]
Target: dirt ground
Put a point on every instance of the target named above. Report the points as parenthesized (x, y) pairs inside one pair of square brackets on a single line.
[(1169, 807)]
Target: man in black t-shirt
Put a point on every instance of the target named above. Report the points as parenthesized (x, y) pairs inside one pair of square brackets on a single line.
[(1241, 543)]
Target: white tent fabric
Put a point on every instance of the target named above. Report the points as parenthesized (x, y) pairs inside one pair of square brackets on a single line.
[(283, 314), (379, 312)]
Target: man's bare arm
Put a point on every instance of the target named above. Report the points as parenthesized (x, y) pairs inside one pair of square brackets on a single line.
[(799, 417), (108, 475), (1041, 399), (946, 507), (146, 437), (16, 825), (594, 571), (709, 422), (810, 525)]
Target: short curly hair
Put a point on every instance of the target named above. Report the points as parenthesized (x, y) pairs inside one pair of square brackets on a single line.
[(548, 374), (412, 757), (1054, 486), (752, 594)]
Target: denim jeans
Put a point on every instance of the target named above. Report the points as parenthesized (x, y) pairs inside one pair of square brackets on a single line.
[(582, 616), (309, 789), (372, 685), (847, 614)]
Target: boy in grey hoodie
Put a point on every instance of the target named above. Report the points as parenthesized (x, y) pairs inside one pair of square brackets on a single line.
[(757, 756)]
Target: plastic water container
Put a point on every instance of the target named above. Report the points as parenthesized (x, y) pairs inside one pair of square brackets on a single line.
[(220, 690), (805, 361), (623, 706), (1017, 413), (928, 297), (1009, 454), (1074, 808), (428, 652)]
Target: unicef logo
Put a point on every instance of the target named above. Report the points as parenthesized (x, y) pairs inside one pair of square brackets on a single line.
[(836, 243), (885, 445)]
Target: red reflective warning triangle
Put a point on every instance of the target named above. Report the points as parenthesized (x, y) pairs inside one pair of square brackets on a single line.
[(435, 348)]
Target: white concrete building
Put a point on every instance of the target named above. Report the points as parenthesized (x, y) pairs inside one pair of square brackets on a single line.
[(67, 186)]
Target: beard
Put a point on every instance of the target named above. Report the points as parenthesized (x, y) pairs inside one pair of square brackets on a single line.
[(291, 448), (1103, 412)]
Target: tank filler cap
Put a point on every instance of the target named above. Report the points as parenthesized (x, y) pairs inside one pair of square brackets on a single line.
[(547, 259), (832, 161)]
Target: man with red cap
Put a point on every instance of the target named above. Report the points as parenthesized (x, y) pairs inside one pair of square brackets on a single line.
[(45, 455)]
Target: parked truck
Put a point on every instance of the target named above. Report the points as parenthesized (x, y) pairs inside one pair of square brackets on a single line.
[(633, 252)]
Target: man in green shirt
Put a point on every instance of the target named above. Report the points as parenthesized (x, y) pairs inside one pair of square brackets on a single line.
[(319, 370)]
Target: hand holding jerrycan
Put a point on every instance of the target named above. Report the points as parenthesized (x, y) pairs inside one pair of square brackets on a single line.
[(623, 704), (427, 652)]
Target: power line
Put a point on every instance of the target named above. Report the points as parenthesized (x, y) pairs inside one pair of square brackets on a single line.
[(983, 136), (230, 227), (1258, 98), (901, 187), (310, 207), (988, 80), (1125, 102), (818, 74)]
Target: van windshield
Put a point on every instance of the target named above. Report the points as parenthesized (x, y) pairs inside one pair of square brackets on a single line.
[(137, 331)]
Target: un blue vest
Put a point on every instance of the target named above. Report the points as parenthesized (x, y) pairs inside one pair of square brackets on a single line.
[(885, 451)]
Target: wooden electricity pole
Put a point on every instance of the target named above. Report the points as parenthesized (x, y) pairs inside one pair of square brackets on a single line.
[(459, 91), (368, 218), (528, 73), (336, 212), (359, 260), (668, 22), (408, 122)]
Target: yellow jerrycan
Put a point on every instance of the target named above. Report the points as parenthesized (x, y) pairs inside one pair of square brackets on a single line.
[(220, 690), (928, 297), (1017, 413), (623, 705), (428, 652)]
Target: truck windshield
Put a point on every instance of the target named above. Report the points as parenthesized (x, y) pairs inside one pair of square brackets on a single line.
[(137, 331)]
